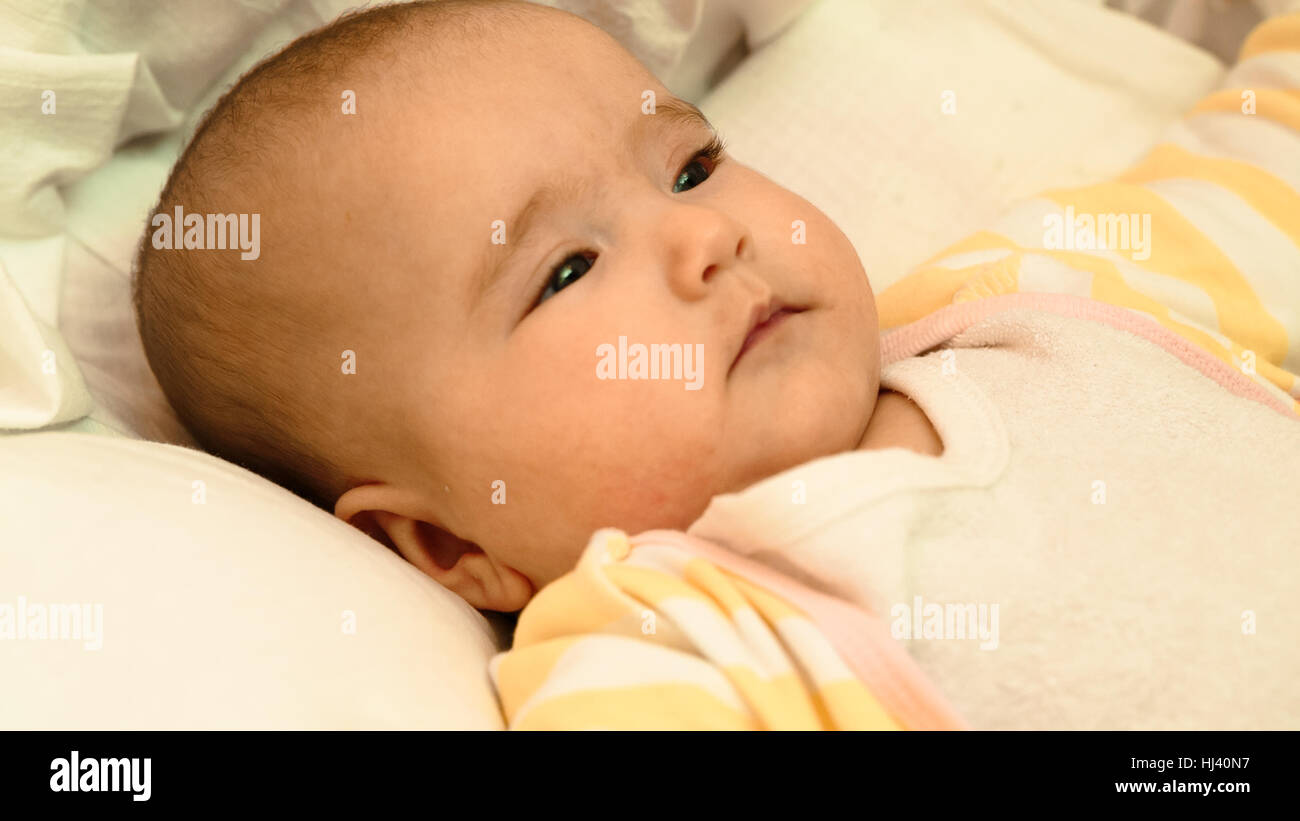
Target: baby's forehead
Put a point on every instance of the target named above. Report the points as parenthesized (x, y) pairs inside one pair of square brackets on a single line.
[(486, 126), (532, 63), (484, 119)]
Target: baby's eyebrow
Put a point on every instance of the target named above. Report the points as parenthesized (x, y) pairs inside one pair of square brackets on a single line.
[(672, 111), (682, 112)]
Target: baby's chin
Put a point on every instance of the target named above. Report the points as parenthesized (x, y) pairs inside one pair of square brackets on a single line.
[(775, 452), (821, 409)]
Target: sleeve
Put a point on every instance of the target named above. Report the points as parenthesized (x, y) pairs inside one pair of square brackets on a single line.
[(651, 638)]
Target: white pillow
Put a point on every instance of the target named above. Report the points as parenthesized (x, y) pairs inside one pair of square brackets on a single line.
[(228, 614)]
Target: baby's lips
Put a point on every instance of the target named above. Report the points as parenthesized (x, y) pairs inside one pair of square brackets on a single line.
[(772, 318)]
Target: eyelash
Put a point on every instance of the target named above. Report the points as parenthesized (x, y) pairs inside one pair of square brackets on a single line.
[(714, 150)]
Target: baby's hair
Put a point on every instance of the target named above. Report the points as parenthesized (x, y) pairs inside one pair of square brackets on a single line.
[(230, 340)]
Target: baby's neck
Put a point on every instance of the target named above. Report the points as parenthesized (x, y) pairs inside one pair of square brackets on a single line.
[(898, 422)]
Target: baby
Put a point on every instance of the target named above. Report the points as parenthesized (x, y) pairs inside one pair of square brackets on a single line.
[(468, 208), (514, 191)]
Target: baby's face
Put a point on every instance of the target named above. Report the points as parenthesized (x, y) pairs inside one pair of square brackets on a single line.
[(502, 336)]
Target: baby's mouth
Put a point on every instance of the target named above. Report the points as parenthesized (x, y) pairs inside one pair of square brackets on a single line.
[(764, 321)]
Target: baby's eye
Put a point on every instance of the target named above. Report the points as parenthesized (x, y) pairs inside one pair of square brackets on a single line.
[(688, 178), (699, 169), (696, 171), (569, 271)]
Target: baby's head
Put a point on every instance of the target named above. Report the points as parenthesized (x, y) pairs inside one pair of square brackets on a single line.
[(449, 277)]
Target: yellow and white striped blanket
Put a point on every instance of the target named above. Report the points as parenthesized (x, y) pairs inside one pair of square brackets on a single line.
[(1202, 235)]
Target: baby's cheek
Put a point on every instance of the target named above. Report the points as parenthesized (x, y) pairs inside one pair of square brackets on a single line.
[(653, 498), (651, 468)]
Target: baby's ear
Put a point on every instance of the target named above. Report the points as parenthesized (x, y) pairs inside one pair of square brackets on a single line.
[(457, 564), (356, 506)]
